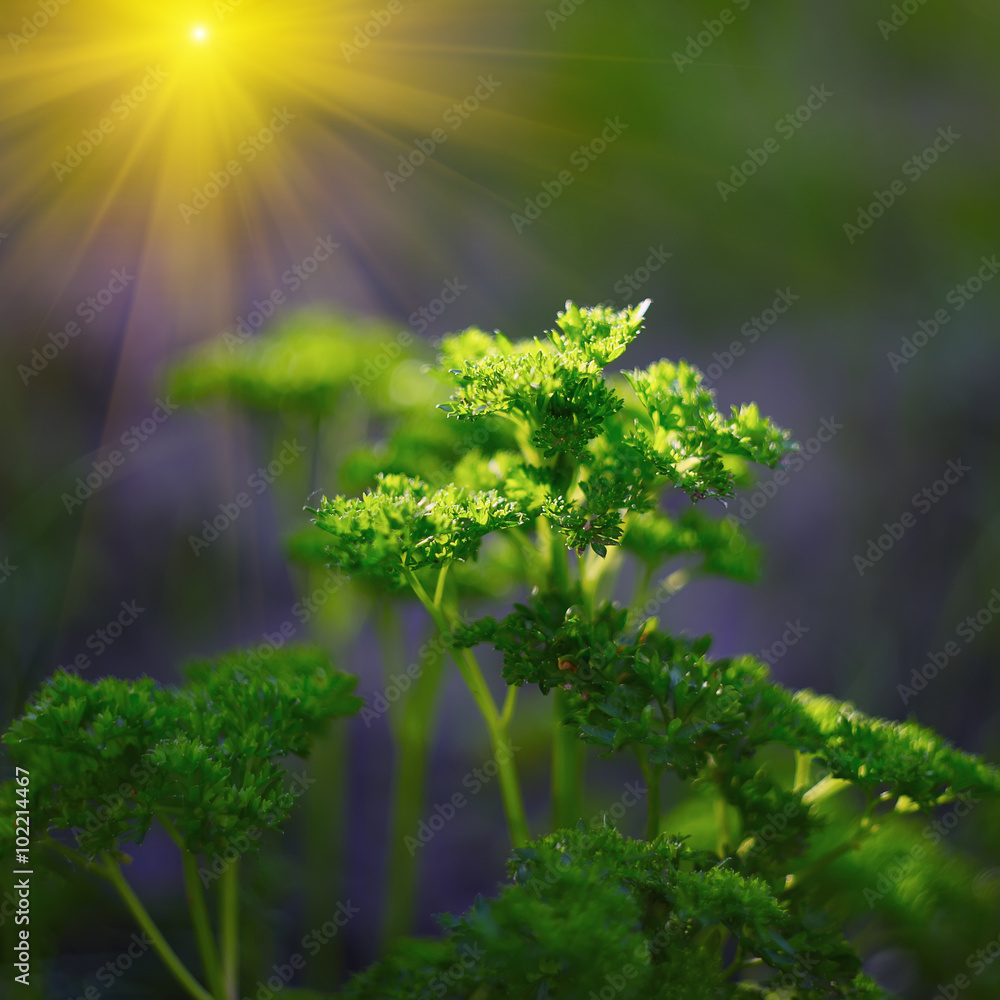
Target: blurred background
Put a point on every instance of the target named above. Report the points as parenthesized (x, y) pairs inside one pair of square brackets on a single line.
[(807, 192)]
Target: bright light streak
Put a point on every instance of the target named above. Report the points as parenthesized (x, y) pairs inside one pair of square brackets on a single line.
[(200, 139)]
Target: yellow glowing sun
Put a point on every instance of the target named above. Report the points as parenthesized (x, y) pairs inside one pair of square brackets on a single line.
[(206, 136)]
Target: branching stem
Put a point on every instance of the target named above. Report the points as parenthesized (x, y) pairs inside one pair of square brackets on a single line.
[(496, 724), (113, 872)]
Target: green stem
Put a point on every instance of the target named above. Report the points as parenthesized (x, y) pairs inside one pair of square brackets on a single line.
[(610, 569), (510, 789), (113, 872), (672, 583), (468, 667), (526, 549), (865, 827), (567, 768), (323, 819), (202, 927), (722, 820), (412, 738), (644, 578), (401, 870), (229, 920), (195, 893), (734, 966), (509, 703), (551, 542), (567, 751), (71, 855), (499, 730), (324, 831), (824, 788), (651, 774), (803, 767), (439, 589)]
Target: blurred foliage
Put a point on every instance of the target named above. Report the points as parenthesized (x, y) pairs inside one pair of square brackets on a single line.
[(306, 364), (657, 186)]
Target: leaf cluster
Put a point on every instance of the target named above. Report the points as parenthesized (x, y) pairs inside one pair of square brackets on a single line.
[(591, 455), (404, 525), (108, 757), (702, 718), (586, 909)]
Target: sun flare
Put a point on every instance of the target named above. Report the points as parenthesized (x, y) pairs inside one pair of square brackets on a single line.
[(196, 138)]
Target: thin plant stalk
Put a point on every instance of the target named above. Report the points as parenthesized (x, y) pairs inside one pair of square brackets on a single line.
[(195, 893), (325, 815), (651, 773), (567, 768), (412, 734), (202, 927), (229, 932), (567, 751), (496, 724), (112, 871)]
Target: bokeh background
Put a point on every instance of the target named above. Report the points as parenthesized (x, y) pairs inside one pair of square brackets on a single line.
[(658, 213)]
